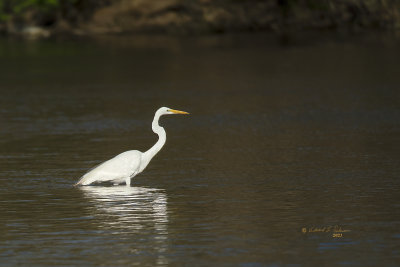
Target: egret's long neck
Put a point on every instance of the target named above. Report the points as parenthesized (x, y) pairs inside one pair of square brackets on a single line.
[(149, 154)]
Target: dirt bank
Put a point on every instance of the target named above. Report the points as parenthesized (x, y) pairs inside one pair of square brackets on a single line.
[(201, 16)]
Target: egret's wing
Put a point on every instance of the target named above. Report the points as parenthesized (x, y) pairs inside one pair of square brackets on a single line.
[(120, 167)]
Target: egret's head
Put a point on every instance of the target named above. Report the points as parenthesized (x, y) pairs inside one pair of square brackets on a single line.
[(165, 111)]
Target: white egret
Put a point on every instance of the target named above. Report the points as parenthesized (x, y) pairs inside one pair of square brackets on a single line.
[(125, 166)]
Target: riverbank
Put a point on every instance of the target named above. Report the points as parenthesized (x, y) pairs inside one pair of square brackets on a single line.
[(198, 16)]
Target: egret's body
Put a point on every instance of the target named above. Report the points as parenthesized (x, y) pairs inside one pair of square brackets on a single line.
[(125, 166)]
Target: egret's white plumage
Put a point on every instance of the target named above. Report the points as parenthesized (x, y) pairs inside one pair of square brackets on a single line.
[(123, 167)]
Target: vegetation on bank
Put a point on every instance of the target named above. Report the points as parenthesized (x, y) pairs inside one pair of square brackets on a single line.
[(191, 16), (52, 15)]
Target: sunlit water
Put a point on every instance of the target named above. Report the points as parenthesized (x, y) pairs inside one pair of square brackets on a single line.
[(282, 137)]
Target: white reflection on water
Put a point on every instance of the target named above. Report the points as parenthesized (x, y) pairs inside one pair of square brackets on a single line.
[(134, 210)]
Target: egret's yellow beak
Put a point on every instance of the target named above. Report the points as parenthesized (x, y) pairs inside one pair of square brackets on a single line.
[(178, 111)]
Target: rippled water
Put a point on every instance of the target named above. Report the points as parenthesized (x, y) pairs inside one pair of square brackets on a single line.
[(282, 138)]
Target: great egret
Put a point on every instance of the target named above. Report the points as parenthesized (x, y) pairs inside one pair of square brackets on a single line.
[(123, 167)]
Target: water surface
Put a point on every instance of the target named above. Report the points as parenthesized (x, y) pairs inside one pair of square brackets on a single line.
[(281, 137)]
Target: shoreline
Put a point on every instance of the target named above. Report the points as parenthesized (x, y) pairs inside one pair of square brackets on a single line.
[(132, 17)]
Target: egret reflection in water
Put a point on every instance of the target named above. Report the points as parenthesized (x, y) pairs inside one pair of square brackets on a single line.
[(128, 209), (132, 211)]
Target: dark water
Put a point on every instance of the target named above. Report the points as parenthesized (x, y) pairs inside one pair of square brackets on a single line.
[(281, 137)]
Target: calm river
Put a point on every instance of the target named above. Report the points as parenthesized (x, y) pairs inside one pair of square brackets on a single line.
[(290, 157)]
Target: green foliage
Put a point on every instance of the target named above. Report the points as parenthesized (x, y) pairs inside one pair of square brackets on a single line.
[(22, 5), (15, 8)]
